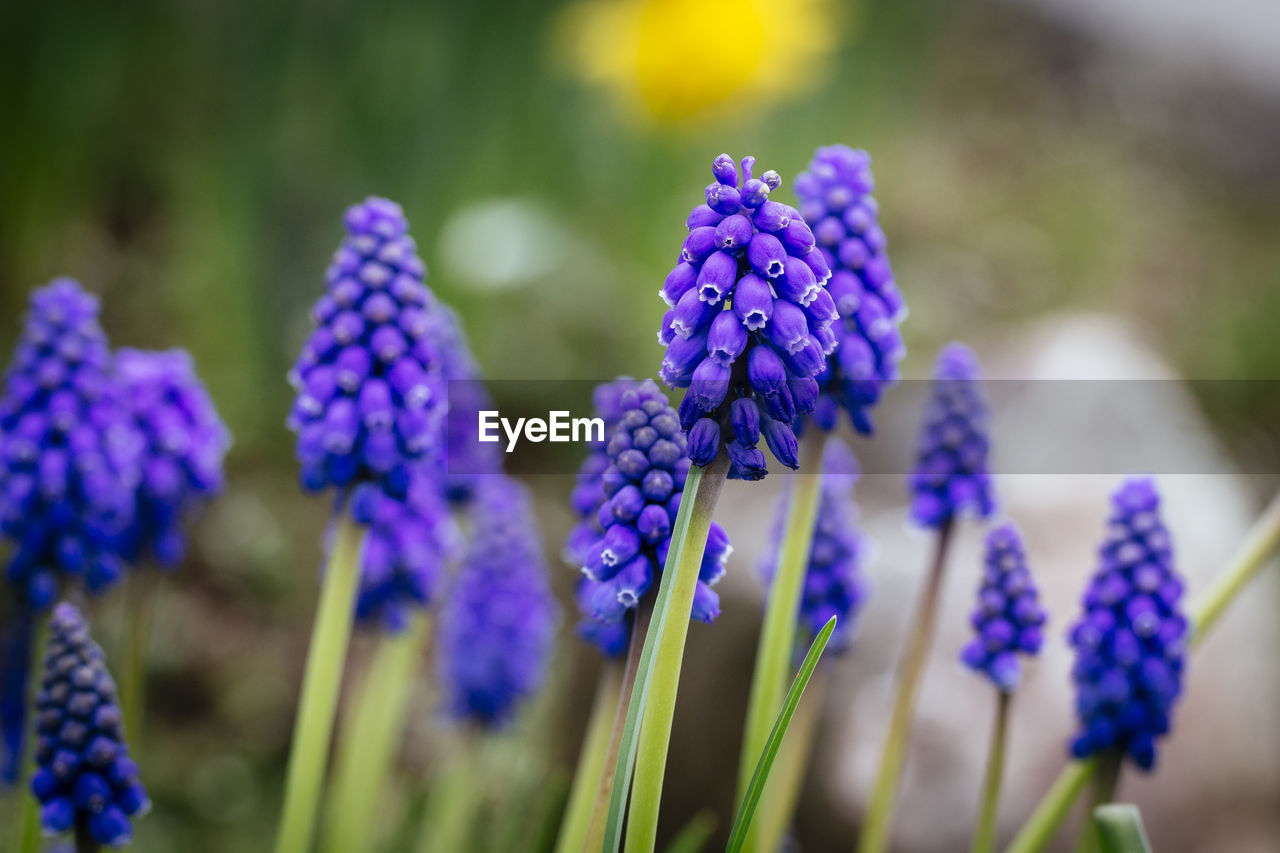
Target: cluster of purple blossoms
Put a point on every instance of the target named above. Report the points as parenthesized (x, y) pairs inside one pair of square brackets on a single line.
[(84, 774), (370, 384), (184, 444), (749, 327), (835, 199), (642, 488), (834, 581), (69, 453), (1009, 619), (1131, 639), (498, 624), (409, 542), (951, 473)]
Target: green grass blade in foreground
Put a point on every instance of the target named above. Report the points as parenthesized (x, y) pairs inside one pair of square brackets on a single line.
[(695, 834), (747, 810), (1120, 829)]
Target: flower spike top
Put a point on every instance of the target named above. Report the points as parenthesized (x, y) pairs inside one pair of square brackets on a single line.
[(835, 199), (498, 623), (84, 773), (642, 487), (834, 581), (184, 444), (68, 449), (1131, 639), (1008, 619), (371, 397), (750, 322), (951, 453)]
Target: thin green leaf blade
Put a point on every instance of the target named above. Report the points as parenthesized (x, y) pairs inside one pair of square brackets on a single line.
[(747, 810), (1120, 829), (695, 834)]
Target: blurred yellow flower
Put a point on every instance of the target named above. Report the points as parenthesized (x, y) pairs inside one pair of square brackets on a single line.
[(673, 60)]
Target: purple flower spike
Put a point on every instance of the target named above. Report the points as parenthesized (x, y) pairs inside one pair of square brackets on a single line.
[(834, 581), (1130, 641), (835, 199), (1008, 619), (69, 452), (951, 453), (629, 508), (83, 770), (749, 280), (498, 625), (184, 445), (374, 330)]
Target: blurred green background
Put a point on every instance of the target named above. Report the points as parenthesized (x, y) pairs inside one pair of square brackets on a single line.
[(190, 162)]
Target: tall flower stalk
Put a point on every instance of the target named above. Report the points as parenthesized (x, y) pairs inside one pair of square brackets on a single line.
[(950, 477), (593, 760)]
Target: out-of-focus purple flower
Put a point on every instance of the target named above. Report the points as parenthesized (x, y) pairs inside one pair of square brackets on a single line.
[(951, 473), (1008, 618), (409, 543), (1131, 639), (68, 449), (83, 769), (184, 444), (15, 659), (497, 625), (834, 581), (370, 383), (835, 200), (750, 322), (640, 493)]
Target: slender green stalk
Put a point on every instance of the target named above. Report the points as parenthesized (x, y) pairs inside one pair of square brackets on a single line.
[(786, 782), (879, 816), (28, 840), (1259, 545), (454, 800), (84, 841), (587, 779), (1106, 778), (652, 705), (984, 836), (1120, 829), (142, 588), (778, 635), (320, 685), (368, 739)]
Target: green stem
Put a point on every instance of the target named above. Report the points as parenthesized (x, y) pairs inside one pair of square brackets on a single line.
[(367, 742), (1259, 545), (778, 635), (1106, 778), (84, 841), (141, 590), (320, 686), (984, 836), (879, 817), (653, 700), (454, 799), (786, 781), (588, 778), (29, 814)]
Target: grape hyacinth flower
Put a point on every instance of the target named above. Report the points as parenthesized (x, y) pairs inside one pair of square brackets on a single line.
[(497, 627), (68, 449), (951, 474), (834, 581), (1131, 640), (184, 445), (371, 392), (750, 322), (85, 780), (836, 202), (642, 488), (465, 458), (1008, 619)]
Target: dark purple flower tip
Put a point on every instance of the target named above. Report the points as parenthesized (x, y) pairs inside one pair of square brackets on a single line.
[(1130, 646), (835, 583), (1008, 618), (377, 324), (951, 473), (84, 772), (70, 454), (498, 624), (704, 441), (184, 443)]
